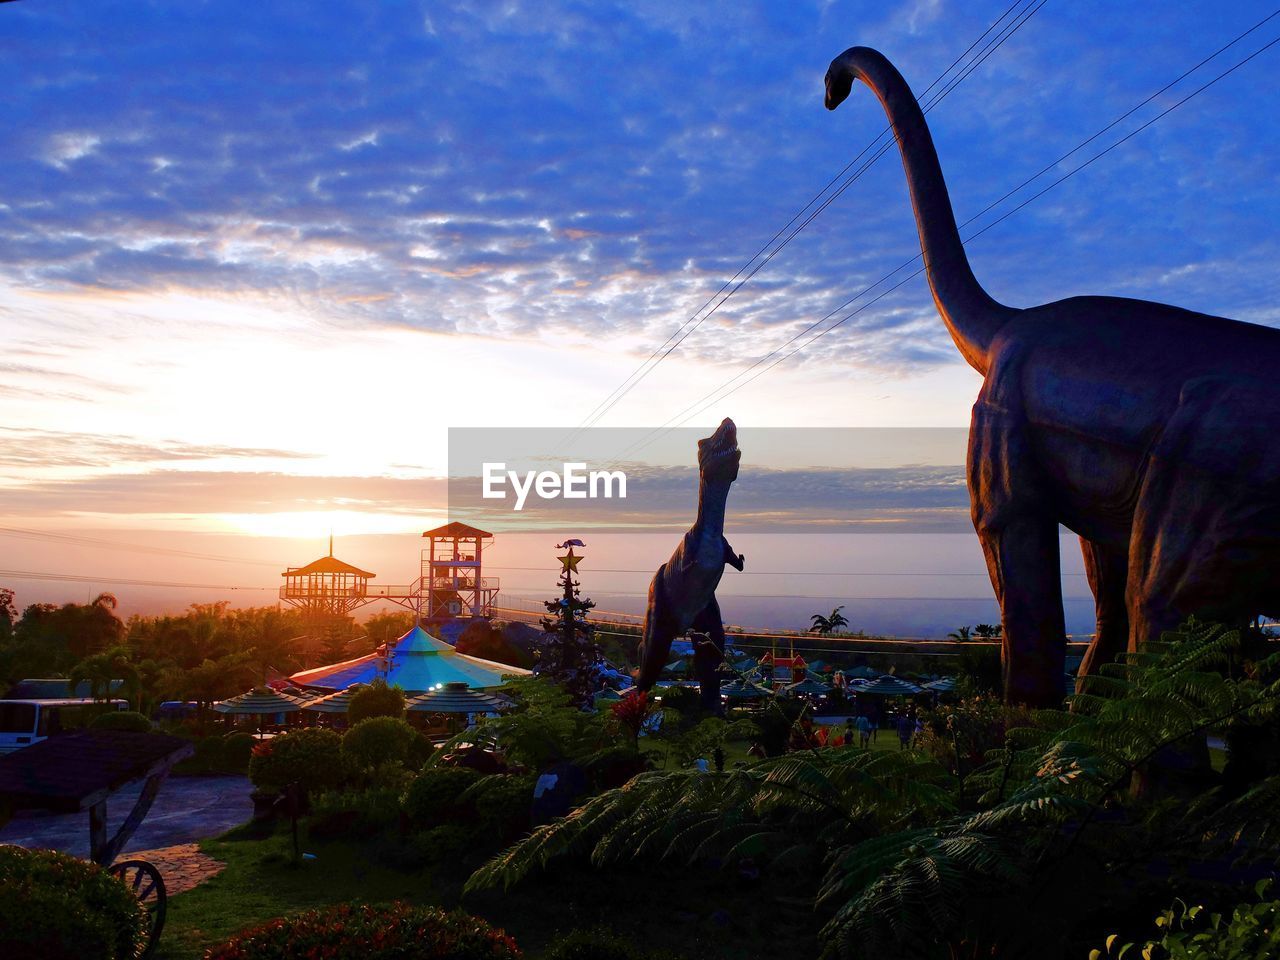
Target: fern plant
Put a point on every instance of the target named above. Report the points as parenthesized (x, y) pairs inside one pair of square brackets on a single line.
[(1075, 807)]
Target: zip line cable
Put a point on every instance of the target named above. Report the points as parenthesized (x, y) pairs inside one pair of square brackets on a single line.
[(118, 581), (679, 336), (716, 395)]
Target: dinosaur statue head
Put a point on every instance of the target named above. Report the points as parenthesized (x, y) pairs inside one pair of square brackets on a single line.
[(718, 454), (839, 80)]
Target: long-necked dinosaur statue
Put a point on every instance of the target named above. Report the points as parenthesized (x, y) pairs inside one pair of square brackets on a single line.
[(1144, 428), (682, 594)]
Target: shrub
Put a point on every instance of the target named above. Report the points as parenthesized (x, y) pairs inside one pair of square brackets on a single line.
[(360, 811), (1188, 933), (312, 757), (502, 805), (378, 742), (129, 720), (376, 700), (614, 766), (420, 751), (446, 843), (960, 735), (237, 748), (59, 908), (208, 754), (364, 931), (598, 944), (435, 796)]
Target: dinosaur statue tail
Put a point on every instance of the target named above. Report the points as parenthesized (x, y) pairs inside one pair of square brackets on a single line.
[(972, 317)]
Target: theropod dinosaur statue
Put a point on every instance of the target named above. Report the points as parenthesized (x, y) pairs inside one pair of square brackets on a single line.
[(1146, 429), (682, 594)]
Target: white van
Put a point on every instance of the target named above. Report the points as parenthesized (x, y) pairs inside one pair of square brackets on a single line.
[(24, 722)]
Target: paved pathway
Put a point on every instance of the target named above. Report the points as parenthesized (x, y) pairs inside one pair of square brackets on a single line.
[(183, 866), (185, 810)]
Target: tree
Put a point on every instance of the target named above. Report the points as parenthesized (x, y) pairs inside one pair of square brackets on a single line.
[(830, 623), (8, 614), (987, 631), (960, 635), (100, 669), (567, 652), (376, 700)]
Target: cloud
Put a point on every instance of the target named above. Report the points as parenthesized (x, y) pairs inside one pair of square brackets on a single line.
[(569, 172), (23, 447), (219, 492)]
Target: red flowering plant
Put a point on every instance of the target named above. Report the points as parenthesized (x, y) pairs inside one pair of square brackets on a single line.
[(633, 711), (370, 932)]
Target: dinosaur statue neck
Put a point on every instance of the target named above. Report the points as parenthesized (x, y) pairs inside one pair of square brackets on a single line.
[(713, 496), (972, 317)]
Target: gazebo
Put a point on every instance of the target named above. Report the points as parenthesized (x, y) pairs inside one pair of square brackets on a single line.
[(416, 663)]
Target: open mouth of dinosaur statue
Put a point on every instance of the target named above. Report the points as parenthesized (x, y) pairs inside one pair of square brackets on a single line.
[(720, 449)]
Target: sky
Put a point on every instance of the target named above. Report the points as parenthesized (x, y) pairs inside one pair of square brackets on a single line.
[(256, 260)]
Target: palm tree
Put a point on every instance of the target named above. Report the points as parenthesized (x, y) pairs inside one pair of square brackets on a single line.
[(100, 669), (987, 631), (961, 635), (830, 623)]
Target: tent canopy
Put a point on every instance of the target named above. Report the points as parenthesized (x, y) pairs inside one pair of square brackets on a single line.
[(417, 663)]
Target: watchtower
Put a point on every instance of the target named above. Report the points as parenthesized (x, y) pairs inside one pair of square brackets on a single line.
[(326, 591), (452, 574)]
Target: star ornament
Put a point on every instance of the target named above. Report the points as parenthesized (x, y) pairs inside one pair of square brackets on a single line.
[(569, 561)]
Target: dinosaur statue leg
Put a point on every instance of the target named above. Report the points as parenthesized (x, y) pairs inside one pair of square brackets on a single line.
[(1019, 537), (709, 654), (1107, 568), (659, 631)]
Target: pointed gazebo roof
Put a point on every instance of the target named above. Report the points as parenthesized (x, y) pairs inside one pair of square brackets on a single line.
[(416, 663)]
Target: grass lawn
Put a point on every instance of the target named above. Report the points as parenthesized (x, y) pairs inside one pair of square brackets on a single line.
[(712, 915)]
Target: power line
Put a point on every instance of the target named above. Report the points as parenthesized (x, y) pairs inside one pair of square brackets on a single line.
[(52, 537), (679, 336), (720, 393)]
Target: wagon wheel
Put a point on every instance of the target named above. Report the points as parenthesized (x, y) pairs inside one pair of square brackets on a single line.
[(144, 881)]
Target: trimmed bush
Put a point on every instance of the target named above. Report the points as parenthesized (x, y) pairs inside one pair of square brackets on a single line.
[(311, 757), (435, 796), (237, 748), (420, 751), (376, 700), (57, 907), (374, 932), (598, 944), (208, 754), (129, 720), (359, 812), (502, 805), (378, 742)]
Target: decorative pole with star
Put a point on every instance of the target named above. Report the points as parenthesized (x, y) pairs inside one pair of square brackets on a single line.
[(568, 653)]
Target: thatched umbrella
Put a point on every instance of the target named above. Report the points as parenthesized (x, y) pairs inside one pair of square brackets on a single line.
[(887, 686), (456, 697), (744, 690), (339, 702), (261, 700), (807, 687)]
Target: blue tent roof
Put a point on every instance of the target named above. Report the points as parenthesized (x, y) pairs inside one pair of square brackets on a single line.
[(418, 662)]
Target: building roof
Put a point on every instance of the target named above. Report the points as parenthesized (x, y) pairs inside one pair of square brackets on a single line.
[(457, 529), (418, 662), (55, 689), (74, 771), (328, 564)]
